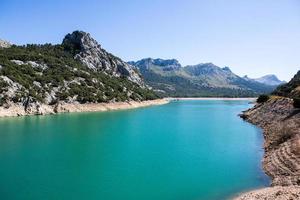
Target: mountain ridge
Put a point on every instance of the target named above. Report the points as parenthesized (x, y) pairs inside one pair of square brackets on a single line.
[(204, 79)]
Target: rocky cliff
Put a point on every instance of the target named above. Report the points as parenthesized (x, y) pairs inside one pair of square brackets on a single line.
[(89, 52)]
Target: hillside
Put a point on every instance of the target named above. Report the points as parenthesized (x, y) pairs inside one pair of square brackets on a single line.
[(169, 78), (78, 70), (291, 89), (279, 117)]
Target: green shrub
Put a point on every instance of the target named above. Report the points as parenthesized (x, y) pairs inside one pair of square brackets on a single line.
[(296, 102), (263, 98), (92, 86)]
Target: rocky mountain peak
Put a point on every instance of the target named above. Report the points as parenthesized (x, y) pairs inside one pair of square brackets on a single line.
[(226, 69), (80, 41), (269, 79), (208, 69), (164, 64), (89, 52)]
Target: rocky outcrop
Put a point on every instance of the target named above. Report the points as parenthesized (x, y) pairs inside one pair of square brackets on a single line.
[(4, 44), (280, 122), (89, 52)]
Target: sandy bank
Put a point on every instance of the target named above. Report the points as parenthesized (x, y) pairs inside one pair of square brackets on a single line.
[(212, 98), (19, 110), (272, 193)]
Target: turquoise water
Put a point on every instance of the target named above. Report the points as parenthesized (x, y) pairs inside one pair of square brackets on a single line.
[(185, 150)]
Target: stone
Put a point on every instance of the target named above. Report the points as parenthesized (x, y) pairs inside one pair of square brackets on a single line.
[(89, 52)]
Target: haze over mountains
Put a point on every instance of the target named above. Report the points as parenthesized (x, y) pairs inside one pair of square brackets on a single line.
[(170, 78)]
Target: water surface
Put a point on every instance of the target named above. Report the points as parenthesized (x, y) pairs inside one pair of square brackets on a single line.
[(185, 150)]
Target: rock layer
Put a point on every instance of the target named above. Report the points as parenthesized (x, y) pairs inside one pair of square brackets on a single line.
[(280, 122)]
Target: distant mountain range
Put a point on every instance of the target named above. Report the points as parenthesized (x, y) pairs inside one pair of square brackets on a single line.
[(170, 78), (269, 79)]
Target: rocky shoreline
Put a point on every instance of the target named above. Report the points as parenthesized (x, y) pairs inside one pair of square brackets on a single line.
[(15, 110), (273, 193), (251, 99), (280, 122)]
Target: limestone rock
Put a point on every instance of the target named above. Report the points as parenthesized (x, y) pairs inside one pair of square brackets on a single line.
[(89, 52), (4, 44)]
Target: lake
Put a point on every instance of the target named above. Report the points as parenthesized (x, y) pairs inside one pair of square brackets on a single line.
[(184, 150)]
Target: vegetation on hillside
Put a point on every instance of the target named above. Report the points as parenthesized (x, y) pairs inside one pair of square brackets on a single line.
[(263, 98), (54, 70), (169, 78), (290, 89)]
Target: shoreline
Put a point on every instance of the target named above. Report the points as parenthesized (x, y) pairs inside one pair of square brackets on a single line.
[(16, 110), (280, 160), (270, 193), (213, 98)]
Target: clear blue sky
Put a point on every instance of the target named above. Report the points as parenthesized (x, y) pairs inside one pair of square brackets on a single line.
[(254, 37)]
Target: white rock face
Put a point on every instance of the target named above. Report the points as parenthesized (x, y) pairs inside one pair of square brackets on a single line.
[(4, 44), (32, 63), (12, 86), (90, 53), (18, 62)]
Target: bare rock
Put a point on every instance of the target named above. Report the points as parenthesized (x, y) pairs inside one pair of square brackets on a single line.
[(4, 44), (280, 122), (89, 52), (272, 193)]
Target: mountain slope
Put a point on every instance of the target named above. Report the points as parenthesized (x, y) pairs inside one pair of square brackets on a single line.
[(290, 89), (78, 70), (89, 52), (280, 120), (169, 78)]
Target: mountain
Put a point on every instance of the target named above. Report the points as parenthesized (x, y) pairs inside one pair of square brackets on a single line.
[(290, 89), (78, 70), (86, 50), (270, 79), (170, 78)]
